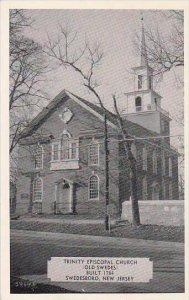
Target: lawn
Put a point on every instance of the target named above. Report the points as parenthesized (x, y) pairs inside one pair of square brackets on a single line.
[(147, 232)]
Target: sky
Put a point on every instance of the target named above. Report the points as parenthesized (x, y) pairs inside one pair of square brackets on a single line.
[(115, 31)]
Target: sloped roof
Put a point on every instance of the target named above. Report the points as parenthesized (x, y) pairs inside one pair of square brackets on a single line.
[(133, 129)]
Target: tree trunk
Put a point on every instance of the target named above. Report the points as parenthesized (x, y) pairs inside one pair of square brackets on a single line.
[(132, 168), (106, 171)]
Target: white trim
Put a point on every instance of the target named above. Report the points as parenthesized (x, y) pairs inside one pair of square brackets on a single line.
[(72, 97), (38, 201), (58, 194), (98, 182), (93, 141), (52, 151), (170, 167), (39, 146), (65, 132)]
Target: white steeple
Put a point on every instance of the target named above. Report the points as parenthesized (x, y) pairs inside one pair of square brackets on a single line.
[(144, 57)]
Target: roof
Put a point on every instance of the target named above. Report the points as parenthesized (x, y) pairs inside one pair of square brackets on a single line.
[(133, 129)]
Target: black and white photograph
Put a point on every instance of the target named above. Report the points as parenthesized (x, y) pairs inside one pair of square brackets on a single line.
[(96, 150)]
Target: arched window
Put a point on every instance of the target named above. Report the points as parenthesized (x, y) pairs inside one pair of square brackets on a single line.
[(144, 189), (94, 153), (138, 103), (170, 167), (65, 147), (144, 159), (93, 187), (38, 157), (154, 162), (139, 82), (55, 151), (37, 190)]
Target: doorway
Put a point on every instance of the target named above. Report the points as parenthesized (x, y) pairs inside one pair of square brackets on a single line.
[(64, 197)]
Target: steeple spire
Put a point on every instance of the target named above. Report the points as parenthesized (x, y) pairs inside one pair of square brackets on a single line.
[(144, 58)]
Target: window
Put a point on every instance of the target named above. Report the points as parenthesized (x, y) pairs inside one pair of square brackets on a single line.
[(73, 151), (154, 162), (170, 191), (65, 147), (55, 151), (162, 125), (139, 82), (144, 189), (144, 159), (93, 188), (150, 82), (163, 163), (170, 167), (37, 190), (138, 104), (38, 157), (94, 153)]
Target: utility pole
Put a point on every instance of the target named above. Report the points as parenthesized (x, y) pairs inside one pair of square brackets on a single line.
[(106, 150), (132, 168)]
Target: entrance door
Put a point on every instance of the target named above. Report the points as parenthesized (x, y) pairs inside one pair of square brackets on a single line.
[(64, 198)]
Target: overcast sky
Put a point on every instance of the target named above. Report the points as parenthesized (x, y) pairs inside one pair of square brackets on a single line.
[(115, 30)]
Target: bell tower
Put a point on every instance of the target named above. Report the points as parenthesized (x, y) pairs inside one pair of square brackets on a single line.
[(143, 104)]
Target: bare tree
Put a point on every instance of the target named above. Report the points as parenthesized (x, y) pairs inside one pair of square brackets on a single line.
[(165, 50), (26, 69), (84, 61)]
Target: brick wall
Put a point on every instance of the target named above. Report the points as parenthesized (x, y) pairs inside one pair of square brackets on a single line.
[(84, 126), (81, 122)]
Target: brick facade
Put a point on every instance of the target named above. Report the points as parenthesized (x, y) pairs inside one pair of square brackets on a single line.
[(84, 125)]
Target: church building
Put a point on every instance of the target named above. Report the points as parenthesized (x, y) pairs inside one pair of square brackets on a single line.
[(62, 157)]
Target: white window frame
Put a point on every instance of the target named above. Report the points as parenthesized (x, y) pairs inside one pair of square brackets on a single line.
[(144, 159), (170, 167), (155, 165), (38, 201), (36, 167), (93, 142), (89, 189), (68, 141), (140, 82), (70, 148), (52, 153)]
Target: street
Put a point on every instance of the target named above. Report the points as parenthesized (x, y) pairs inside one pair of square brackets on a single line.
[(31, 250)]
